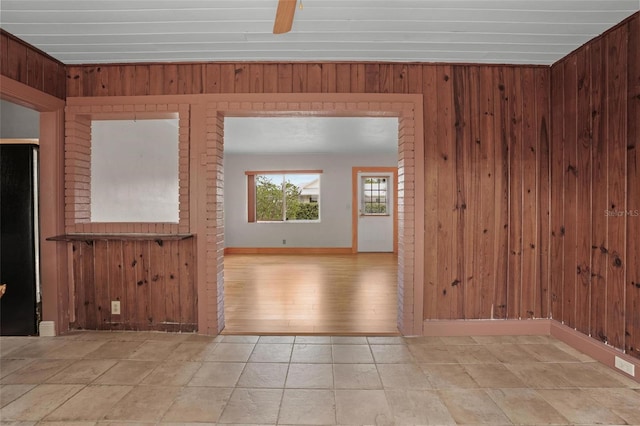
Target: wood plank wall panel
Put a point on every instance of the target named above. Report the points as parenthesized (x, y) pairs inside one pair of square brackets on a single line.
[(129, 261), (501, 199), (431, 156), (447, 214), (598, 198), (487, 229), (153, 281), (530, 244), (543, 120), (632, 324), (557, 205), (595, 100), (84, 306), (142, 292), (28, 65), (4, 53), (473, 203), (459, 162), (583, 198), (514, 134), (35, 67), (570, 192), (616, 43)]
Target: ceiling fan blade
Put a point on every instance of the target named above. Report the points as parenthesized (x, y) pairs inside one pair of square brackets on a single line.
[(284, 16)]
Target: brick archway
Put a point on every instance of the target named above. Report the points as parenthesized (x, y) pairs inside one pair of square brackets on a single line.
[(408, 109)]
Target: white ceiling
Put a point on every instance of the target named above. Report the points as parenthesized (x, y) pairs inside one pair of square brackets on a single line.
[(477, 31), (272, 135)]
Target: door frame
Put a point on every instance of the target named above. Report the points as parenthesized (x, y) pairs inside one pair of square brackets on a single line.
[(54, 256), (209, 190), (355, 185)]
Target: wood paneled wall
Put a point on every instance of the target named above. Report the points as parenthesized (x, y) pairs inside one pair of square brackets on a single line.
[(595, 175), (28, 65), (153, 280), (488, 215), (486, 143)]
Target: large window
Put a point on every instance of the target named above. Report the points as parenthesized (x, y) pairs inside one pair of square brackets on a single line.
[(284, 196)]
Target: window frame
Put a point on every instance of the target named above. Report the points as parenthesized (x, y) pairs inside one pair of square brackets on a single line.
[(252, 188), (78, 171), (363, 202)]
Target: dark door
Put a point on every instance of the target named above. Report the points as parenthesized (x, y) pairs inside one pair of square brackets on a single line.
[(18, 240)]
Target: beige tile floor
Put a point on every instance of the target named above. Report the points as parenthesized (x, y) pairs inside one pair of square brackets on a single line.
[(120, 378)]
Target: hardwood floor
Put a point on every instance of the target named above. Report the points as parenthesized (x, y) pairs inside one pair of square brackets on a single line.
[(311, 294)]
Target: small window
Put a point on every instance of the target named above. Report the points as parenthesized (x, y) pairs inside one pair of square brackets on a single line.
[(374, 196), (284, 196)]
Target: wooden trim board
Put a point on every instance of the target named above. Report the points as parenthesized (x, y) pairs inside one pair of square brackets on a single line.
[(495, 327)]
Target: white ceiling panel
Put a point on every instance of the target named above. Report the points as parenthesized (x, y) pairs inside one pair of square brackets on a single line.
[(479, 31)]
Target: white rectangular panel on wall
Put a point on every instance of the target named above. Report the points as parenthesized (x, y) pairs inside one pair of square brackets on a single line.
[(134, 171)]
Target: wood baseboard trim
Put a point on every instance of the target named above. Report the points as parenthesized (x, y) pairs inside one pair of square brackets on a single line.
[(594, 348), (496, 327), (287, 250)]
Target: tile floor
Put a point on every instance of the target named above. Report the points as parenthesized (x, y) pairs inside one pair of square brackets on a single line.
[(120, 378)]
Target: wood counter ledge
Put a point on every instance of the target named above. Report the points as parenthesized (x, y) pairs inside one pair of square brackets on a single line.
[(120, 237)]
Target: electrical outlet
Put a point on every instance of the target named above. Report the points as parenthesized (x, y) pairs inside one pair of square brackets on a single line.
[(115, 307), (625, 366), (284, 241)]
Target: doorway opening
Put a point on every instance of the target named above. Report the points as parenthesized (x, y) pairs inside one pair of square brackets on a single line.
[(20, 300), (290, 265), (410, 244)]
